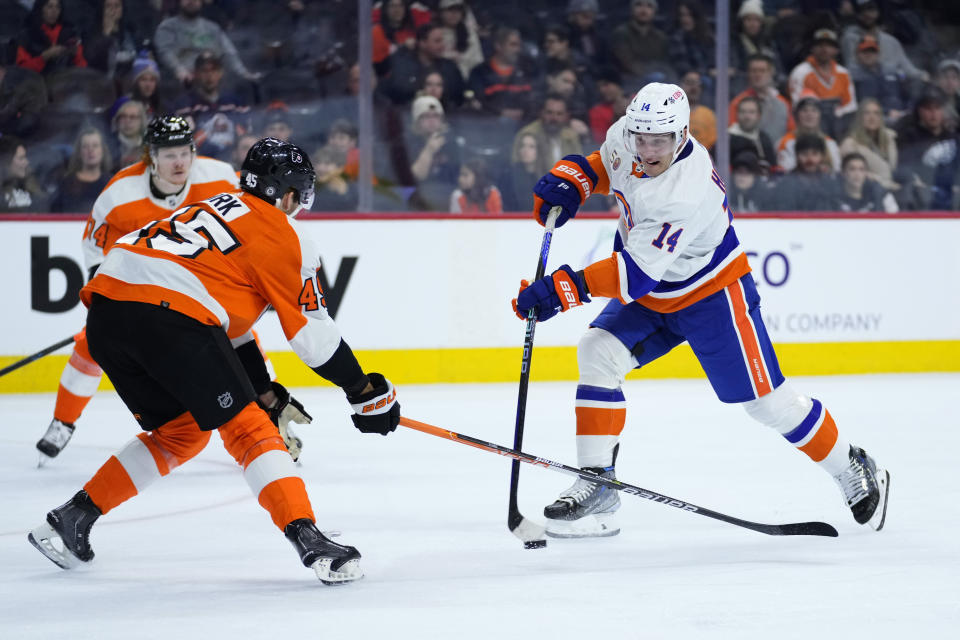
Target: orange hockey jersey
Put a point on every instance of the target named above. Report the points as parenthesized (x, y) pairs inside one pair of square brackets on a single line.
[(222, 261), (127, 203)]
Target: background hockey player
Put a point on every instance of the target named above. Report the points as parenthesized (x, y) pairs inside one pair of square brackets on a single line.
[(163, 308), (677, 273), (169, 175)]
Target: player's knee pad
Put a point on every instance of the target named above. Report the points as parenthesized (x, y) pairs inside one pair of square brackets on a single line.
[(249, 434), (782, 409), (602, 359), (180, 438)]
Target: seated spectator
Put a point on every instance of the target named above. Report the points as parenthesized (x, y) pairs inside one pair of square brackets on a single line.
[(243, 145), (808, 113), (433, 86), (857, 192), (334, 192), (561, 80), (435, 155), (872, 80), (827, 80), (611, 106), (638, 47), (811, 185), (751, 37), (111, 45), (692, 45), (181, 39), (777, 115), (342, 137), (948, 79), (586, 35), (460, 35), (475, 192), (23, 95), (746, 134), (145, 75), (395, 24), (703, 121), (553, 133), (500, 84), (523, 174), (928, 150), (128, 122), (48, 42), (558, 52), (874, 142), (19, 191), (749, 190), (276, 122), (908, 22), (218, 116), (88, 172), (408, 68), (892, 56)]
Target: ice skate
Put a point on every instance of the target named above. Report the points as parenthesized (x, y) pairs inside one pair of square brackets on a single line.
[(865, 488), (334, 563), (585, 510), (65, 536), (54, 440)]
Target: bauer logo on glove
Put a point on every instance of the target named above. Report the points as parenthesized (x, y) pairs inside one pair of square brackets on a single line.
[(560, 291), (568, 185)]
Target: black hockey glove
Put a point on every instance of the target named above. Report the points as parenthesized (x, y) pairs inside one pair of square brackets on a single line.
[(376, 411), (285, 410)]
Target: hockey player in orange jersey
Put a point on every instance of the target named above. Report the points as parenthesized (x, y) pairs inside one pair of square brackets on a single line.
[(163, 309), (169, 175)]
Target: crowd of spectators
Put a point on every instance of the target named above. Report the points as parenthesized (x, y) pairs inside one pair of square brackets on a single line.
[(838, 105)]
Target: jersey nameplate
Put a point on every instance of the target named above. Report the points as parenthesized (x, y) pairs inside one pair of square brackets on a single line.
[(228, 206)]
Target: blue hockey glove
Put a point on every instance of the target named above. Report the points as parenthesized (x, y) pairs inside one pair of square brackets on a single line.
[(560, 291), (568, 185)]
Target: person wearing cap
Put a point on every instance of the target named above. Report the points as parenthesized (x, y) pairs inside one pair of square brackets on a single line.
[(821, 74), (810, 186), (872, 80), (176, 38), (777, 114), (219, 116), (460, 35), (145, 84), (928, 150), (892, 56), (587, 34), (638, 47), (808, 115), (752, 37), (435, 155)]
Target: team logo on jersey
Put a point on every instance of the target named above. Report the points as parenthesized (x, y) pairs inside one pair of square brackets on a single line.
[(225, 400), (615, 160)]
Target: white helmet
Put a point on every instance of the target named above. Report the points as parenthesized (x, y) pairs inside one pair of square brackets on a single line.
[(658, 108)]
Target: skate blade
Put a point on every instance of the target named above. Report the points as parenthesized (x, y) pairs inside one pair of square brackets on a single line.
[(348, 572), (879, 517), (43, 537), (596, 525), (43, 459)]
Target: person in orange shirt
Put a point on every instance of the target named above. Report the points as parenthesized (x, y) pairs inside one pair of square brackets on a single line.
[(169, 174), (164, 309), (821, 75)]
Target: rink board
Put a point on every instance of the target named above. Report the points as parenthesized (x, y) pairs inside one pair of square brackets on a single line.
[(428, 300)]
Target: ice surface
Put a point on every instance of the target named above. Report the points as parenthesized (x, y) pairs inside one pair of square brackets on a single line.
[(196, 557)]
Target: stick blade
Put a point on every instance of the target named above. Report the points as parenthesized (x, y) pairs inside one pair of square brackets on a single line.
[(529, 532), (808, 529)]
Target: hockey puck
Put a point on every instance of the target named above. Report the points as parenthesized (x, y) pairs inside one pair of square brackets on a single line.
[(534, 544)]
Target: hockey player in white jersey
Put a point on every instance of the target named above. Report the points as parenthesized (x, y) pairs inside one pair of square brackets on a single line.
[(677, 273)]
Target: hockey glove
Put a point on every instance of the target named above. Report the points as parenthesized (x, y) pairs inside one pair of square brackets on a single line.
[(377, 410), (559, 291), (285, 410), (568, 185)]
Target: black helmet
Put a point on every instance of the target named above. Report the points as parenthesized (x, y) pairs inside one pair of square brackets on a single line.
[(168, 131), (272, 167)]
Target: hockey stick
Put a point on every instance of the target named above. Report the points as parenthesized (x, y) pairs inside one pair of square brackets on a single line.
[(791, 529), (36, 356), (531, 533)]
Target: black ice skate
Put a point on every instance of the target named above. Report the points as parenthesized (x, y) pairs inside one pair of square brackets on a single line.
[(585, 510), (70, 524), (54, 440), (334, 563), (865, 488)]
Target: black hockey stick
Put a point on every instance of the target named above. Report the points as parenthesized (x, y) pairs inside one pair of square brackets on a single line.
[(36, 356), (791, 529), (531, 533)]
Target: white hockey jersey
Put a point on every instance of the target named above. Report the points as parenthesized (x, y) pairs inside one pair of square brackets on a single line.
[(675, 243)]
